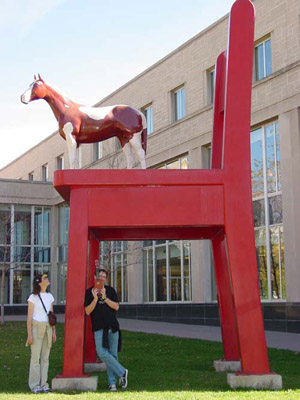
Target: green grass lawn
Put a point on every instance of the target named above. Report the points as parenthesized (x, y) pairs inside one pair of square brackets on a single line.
[(160, 367)]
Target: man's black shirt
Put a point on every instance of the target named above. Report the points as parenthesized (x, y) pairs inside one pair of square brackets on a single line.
[(103, 317)]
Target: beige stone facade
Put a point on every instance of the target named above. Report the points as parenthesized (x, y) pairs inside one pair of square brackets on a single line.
[(274, 98)]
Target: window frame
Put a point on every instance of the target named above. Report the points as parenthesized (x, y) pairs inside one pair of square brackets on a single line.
[(148, 109), (182, 104), (261, 42)]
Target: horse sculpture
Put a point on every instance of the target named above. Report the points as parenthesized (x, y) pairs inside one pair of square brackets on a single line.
[(83, 124)]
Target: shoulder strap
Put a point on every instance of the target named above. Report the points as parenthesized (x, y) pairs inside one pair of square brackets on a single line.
[(43, 304)]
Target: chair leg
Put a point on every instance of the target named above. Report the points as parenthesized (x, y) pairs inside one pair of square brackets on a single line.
[(243, 271), (225, 300)]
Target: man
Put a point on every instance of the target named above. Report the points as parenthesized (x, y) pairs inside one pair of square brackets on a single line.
[(102, 306)]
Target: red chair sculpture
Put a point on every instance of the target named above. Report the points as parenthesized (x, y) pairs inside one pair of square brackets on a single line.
[(213, 204)]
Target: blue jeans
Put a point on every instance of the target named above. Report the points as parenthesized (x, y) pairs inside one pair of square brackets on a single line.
[(110, 355)]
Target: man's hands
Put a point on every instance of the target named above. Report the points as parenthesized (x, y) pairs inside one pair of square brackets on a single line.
[(95, 292), (103, 293)]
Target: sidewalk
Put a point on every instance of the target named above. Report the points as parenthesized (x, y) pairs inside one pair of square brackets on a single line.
[(278, 340)]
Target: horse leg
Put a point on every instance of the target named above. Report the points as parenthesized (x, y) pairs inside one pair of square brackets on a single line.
[(128, 154), (136, 143), (72, 145)]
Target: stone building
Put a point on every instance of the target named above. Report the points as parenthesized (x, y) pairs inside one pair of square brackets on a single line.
[(169, 280)]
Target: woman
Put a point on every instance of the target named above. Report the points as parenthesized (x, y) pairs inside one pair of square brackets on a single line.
[(40, 334)]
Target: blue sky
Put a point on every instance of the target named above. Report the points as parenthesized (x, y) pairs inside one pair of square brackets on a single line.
[(88, 48)]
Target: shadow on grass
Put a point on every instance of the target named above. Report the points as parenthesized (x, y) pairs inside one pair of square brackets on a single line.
[(156, 363)]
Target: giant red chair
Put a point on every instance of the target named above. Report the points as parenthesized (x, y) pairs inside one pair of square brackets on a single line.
[(213, 204)]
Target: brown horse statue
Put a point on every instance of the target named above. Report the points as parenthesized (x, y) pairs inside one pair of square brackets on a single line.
[(83, 124)]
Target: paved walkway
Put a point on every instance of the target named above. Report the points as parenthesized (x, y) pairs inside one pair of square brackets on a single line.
[(278, 340)]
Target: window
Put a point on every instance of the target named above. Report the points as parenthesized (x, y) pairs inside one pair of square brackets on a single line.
[(60, 162), (25, 237), (166, 263), (117, 144), (267, 210), (262, 60), (148, 112), (113, 258), (211, 85), (62, 250), (167, 270), (178, 163), (45, 176), (98, 150), (30, 176), (179, 103)]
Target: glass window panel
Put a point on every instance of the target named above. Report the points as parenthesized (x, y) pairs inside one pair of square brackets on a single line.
[(281, 236), (259, 62), (42, 254), (278, 158), (46, 226), (261, 256), (275, 263), (184, 163), (275, 210), (117, 274), (38, 226), (259, 213), (268, 57), (186, 270), (62, 279), (125, 278), (149, 118), (174, 165), (22, 228), (150, 274), (147, 243), (5, 230), (6, 286), (257, 170), (160, 241), (117, 246), (21, 286), (182, 102), (175, 271), (179, 97), (270, 158), (22, 254), (64, 213), (4, 254), (161, 274)]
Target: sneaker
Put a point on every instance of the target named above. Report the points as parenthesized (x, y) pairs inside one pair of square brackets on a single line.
[(37, 390), (46, 390), (112, 388), (124, 380)]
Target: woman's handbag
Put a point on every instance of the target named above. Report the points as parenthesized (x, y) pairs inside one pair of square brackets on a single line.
[(51, 315), (52, 318)]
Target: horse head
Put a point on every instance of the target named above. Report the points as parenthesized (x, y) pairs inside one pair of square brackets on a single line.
[(37, 90)]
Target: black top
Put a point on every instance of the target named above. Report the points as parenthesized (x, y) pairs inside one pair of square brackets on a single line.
[(103, 317)]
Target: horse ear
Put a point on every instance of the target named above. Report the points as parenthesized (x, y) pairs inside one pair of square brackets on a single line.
[(40, 78), (34, 77)]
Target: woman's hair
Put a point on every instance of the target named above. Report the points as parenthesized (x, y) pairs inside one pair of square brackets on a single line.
[(35, 284)]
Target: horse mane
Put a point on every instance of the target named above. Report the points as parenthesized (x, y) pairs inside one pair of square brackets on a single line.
[(64, 97)]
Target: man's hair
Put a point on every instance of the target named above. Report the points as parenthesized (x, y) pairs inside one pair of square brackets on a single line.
[(103, 270)]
